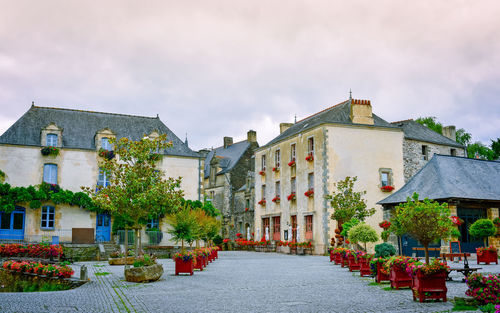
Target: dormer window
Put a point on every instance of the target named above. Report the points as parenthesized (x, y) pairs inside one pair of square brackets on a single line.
[(51, 140), (105, 144)]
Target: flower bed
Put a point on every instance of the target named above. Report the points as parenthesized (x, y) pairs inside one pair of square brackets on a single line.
[(49, 270), (40, 250), (484, 288)]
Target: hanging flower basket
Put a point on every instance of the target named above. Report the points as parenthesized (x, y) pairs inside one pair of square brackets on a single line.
[(456, 220), (387, 188), (262, 173), (292, 196), (496, 221), (291, 163), (49, 151), (385, 224), (310, 157), (262, 202), (276, 199), (309, 193), (106, 154)]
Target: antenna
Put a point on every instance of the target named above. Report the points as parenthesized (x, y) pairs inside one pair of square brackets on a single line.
[(350, 94), (295, 118)]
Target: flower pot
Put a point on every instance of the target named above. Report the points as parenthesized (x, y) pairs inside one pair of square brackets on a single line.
[(399, 277), (431, 286), (364, 269), (301, 251), (332, 256), (381, 277), (487, 257), (337, 258), (345, 261), (184, 267), (285, 249), (205, 261), (353, 264), (144, 273), (121, 261), (198, 265)]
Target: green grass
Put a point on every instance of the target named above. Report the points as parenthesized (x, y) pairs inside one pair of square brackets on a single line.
[(460, 304), (102, 273), (373, 284), (388, 288), (99, 265)]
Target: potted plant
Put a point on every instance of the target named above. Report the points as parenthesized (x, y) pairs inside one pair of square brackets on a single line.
[(45, 151), (377, 268), (309, 193), (484, 288), (262, 173), (276, 199), (387, 188), (184, 263), (310, 157), (364, 262), (291, 163), (484, 228), (262, 202), (362, 233), (118, 258), (428, 280), (183, 227), (291, 196), (396, 267), (145, 270), (276, 169), (496, 220), (353, 259)]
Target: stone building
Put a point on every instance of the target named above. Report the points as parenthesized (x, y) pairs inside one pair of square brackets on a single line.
[(244, 203), (471, 188), (226, 172), (421, 143), (297, 169), (79, 135)]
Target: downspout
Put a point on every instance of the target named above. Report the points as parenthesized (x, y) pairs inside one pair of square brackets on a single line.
[(199, 179), (326, 217)]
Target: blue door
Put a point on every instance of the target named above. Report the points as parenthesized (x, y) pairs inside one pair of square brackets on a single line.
[(103, 228), (467, 242), (12, 225), (408, 243)]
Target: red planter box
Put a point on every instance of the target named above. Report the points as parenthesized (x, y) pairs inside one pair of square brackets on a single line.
[(487, 257), (205, 260), (381, 277), (199, 263), (429, 286), (364, 269), (332, 256), (337, 258), (344, 261), (353, 264), (185, 267), (216, 253), (399, 278)]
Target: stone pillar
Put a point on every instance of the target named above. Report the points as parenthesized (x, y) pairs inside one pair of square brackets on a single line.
[(494, 240)]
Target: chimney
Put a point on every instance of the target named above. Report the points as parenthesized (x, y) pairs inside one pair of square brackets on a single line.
[(284, 126), (361, 112), (252, 136), (450, 132), (228, 141)]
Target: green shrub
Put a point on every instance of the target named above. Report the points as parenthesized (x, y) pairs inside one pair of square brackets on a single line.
[(384, 250), (483, 228), (217, 240)]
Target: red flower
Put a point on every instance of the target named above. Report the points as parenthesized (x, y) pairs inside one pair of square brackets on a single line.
[(310, 157), (309, 193), (262, 173), (276, 199), (385, 224), (262, 202), (456, 220), (246, 209), (291, 196), (291, 163), (276, 169), (387, 188)]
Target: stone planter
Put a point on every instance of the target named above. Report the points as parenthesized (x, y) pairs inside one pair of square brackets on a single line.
[(487, 257), (184, 267), (301, 251), (381, 277), (285, 249), (429, 286), (399, 278), (144, 273), (121, 261)]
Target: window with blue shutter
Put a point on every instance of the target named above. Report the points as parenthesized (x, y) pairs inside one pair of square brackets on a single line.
[(50, 173)]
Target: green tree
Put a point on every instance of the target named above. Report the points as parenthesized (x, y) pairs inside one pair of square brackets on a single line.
[(427, 221), (479, 151), (138, 190), (183, 226), (348, 203), (362, 233), (483, 228), (463, 137), (495, 146), (431, 123)]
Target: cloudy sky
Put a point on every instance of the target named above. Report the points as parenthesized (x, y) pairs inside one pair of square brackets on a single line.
[(219, 68)]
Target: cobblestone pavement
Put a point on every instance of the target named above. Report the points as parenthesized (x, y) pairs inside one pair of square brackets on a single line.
[(237, 282)]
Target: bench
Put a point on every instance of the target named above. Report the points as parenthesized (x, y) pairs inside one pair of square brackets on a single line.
[(452, 256), (464, 270), (417, 249)]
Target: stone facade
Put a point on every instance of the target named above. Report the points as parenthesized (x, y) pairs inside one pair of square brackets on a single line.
[(244, 203)]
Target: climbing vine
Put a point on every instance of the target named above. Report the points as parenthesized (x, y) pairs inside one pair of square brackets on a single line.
[(34, 195)]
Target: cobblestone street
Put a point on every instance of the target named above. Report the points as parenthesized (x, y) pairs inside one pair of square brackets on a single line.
[(237, 282)]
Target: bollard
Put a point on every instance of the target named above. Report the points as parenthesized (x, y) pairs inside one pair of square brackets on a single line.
[(83, 272)]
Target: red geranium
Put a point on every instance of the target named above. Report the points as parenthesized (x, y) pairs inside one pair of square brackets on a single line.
[(291, 163), (387, 188), (291, 196), (385, 224), (309, 193), (276, 199), (310, 157)]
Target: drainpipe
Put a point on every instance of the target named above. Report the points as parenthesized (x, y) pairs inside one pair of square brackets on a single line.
[(199, 179)]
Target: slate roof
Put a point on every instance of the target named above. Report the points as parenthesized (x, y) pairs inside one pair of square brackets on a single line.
[(450, 177), (229, 156), (80, 128), (417, 131), (337, 114)]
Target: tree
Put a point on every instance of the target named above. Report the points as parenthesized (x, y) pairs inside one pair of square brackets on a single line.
[(363, 233), (431, 123), (479, 151), (427, 221), (348, 225), (463, 137), (384, 250), (138, 190), (495, 146), (483, 228), (347, 203), (183, 225)]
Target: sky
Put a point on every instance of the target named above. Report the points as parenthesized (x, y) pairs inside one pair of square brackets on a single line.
[(220, 68)]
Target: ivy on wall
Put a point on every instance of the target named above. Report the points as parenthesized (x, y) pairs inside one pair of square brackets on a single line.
[(34, 195)]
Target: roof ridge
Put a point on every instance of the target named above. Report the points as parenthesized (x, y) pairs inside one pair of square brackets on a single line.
[(407, 120), (322, 111), (88, 111), (234, 143)]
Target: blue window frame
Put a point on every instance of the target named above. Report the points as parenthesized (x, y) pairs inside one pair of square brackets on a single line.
[(50, 173), (48, 217), (51, 140), (103, 178), (153, 223), (105, 144)]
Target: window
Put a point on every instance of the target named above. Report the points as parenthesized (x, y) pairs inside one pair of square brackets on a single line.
[(310, 181), (248, 204), (50, 173), (278, 189), (293, 185), (263, 191), (265, 225), (105, 144), (153, 223), (103, 179), (5, 221), (51, 140), (453, 152), (263, 162), (310, 146), (385, 177), (276, 228), (292, 152), (277, 158), (309, 227), (48, 217), (424, 152)]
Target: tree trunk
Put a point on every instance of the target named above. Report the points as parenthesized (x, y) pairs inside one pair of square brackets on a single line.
[(197, 243), (485, 241), (426, 248), (182, 245), (126, 248), (136, 232), (140, 242), (365, 247), (400, 241)]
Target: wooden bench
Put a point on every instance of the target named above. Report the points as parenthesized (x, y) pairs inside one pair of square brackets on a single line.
[(452, 256), (416, 249), (464, 270)]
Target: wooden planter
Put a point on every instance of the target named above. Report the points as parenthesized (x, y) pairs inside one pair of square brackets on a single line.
[(399, 278), (337, 258), (345, 261), (198, 265), (381, 277), (332, 256), (353, 264), (429, 286), (364, 269), (216, 253), (487, 257), (184, 267), (205, 260)]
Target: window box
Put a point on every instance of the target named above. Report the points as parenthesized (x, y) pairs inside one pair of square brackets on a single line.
[(50, 150), (276, 169), (276, 199), (246, 209), (262, 202), (292, 163), (310, 157), (309, 193), (263, 172), (106, 154), (387, 188), (292, 196)]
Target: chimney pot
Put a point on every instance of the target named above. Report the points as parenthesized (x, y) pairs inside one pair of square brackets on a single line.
[(361, 112), (252, 136), (450, 132), (285, 126)]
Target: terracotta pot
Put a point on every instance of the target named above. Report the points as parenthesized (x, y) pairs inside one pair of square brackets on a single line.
[(185, 267), (429, 286), (399, 278)]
